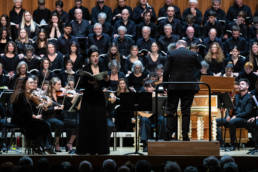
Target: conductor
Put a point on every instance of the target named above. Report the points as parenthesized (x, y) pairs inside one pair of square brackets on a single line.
[(182, 65)]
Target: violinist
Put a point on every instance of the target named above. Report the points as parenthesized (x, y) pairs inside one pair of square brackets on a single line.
[(53, 115), (23, 117), (241, 113), (70, 117)]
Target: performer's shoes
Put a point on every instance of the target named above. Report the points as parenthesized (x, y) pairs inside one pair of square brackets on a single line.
[(232, 148), (50, 151), (57, 149), (186, 138), (69, 147)]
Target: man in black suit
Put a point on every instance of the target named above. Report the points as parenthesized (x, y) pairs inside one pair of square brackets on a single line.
[(182, 65)]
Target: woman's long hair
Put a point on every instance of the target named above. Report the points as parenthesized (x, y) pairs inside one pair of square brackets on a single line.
[(32, 23), (119, 89), (15, 51), (219, 55), (19, 89), (117, 55), (251, 54)]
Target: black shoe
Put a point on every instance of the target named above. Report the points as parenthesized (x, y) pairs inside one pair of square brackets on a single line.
[(50, 151), (232, 148), (145, 149), (186, 138)]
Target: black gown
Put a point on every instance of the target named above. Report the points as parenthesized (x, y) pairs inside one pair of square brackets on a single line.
[(93, 134)]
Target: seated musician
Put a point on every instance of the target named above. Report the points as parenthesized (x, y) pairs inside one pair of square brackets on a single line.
[(146, 120), (242, 109), (34, 127), (53, 114)]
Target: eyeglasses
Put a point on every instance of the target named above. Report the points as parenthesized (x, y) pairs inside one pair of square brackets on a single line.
[(100, 2)]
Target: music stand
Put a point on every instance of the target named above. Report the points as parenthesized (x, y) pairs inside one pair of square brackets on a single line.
[(136, 102), (4, 99)]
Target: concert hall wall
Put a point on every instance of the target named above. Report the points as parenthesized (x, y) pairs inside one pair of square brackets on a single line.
[(6, 5)]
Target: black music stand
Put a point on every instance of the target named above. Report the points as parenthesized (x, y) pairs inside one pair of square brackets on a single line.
[(136, 102), (4, 99)]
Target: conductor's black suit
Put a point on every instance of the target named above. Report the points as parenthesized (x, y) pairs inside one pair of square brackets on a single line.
[(182, 65)]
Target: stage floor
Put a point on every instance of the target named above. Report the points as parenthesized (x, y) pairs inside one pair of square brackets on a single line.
[(122, 151)]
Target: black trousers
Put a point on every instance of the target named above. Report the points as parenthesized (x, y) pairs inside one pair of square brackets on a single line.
[(232, 125), (186, 97)]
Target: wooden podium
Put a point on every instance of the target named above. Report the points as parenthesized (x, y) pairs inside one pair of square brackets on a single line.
[(198, 145)]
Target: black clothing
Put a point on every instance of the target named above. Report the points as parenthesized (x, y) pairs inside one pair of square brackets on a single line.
[(197, 29), (93, 135), (181, 65), (255, 63), (251, 78), (64, 75), (63, 44), (96, 10), (175, 23), (128, 64), (33, 63), (107, 28), (124, 45), (216, 67), (137, 12), (9, 64), (85, 13), (21, 46), (165, 41), (136, 82), (63, 18), (130, 26), (103, 43), (193, 41), (240, 43), (143, 44), (198, 17), (80, 29), (242, 109), (77, 64), (207, 26), (220, 14), (114, 83), (58, 62), (235, 9), (39, 15), (239, 66), (154, 30), (150, 65), (15, 18), (22, 117), (4, 81), (207, 42), (119, 10), (40, 51), (163, 11)]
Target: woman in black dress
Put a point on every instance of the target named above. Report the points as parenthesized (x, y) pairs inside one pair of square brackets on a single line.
[(74, 56), (93, 134), (4, 38), (40, 44), (136, 78), (34, 126)]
